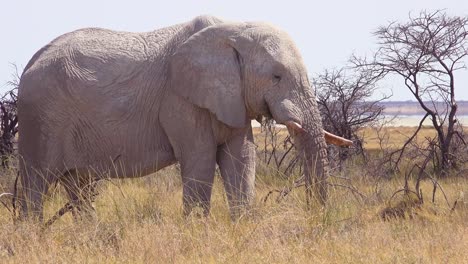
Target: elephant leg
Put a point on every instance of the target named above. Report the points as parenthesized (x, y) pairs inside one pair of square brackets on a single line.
[(236, 160), (35, 185), (190, 132), (197, 177), (81, 190)]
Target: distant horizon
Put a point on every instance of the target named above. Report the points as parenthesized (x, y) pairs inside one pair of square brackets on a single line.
[(415, 101)]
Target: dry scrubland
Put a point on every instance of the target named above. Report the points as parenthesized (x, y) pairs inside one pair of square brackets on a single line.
[(396, 136), (141, 222)]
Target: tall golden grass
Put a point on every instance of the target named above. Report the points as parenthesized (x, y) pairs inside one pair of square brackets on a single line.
[(141, 221), (397, 136)]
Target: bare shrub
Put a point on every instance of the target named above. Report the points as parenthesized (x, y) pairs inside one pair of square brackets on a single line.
[(9, 119), (277, 150), (345, 101), (426, 52)]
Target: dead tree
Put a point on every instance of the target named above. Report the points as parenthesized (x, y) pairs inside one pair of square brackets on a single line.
[(8, 120), (426, 52), (278, 150), (345, 103)]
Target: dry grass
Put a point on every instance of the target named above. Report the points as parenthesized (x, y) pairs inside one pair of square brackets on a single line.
[(141, 222), (397, 136)]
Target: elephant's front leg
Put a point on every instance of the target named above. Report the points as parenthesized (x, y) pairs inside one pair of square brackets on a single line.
[(198, 166), (236, 160), (190, 134)]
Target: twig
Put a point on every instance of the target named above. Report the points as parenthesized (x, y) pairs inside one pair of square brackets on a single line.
[(351, 188), (4, 204), (285, 190), (66, 208), (435, 182), (441, 190), (4, 194), (408, 141), (453, 207), (402, 190), (15, 196), (300, 182), (339, 177)]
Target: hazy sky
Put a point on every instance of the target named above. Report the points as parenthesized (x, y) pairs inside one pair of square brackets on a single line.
[(327, 32)]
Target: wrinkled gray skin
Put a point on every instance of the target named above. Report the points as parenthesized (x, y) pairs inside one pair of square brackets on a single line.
[(107, 103)]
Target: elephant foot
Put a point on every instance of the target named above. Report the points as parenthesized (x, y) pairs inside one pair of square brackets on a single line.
[(198, 210), (240, 212)]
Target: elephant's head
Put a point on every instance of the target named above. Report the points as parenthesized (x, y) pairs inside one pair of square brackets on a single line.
[(244, 70)]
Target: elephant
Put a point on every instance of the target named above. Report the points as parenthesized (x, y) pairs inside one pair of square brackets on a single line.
[(100, 103)]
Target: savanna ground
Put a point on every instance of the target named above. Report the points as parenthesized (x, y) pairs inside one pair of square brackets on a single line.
[(141, 221)]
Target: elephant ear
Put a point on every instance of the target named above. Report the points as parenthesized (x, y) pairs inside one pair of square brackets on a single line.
[(206, 70)]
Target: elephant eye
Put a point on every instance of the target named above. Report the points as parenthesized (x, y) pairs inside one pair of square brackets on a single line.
[(276, 79)]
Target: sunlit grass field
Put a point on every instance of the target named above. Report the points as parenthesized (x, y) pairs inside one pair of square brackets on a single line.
[(141, 221), (396, 136), (392, 137)]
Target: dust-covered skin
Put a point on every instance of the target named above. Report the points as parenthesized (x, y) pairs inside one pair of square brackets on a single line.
[(121, 104)]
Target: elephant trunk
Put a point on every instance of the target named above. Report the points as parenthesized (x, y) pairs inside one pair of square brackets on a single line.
[(315, 164), (298, 110), (309, 138)]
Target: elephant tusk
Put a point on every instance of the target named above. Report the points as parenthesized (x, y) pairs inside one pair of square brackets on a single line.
[(336, 140), (294, 126), (329, 137)]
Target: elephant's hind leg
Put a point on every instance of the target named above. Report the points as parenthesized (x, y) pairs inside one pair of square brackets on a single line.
[(81, 189), (35, 184)]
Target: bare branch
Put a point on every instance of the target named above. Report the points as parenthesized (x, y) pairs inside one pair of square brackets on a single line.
[(426, 51)]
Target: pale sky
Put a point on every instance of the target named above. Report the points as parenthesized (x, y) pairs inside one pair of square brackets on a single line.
[(327, 32)]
